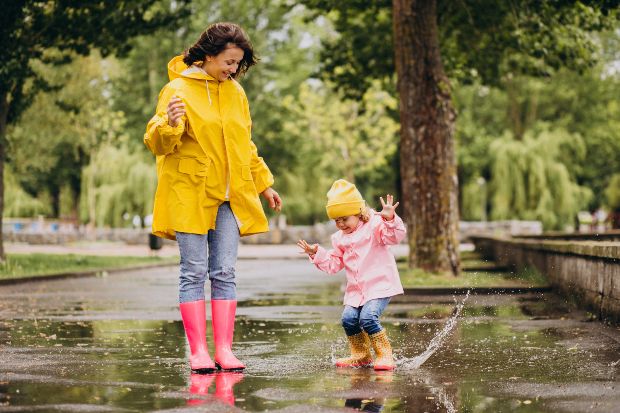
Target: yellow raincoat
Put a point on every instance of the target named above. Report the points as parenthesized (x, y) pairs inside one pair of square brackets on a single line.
[(207, 158)]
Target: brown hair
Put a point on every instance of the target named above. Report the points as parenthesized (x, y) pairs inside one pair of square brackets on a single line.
[(215, 39)]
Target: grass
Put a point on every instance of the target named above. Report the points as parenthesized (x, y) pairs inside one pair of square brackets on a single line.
[(478, 263), (19, 266), (417, 278), (466, 256)]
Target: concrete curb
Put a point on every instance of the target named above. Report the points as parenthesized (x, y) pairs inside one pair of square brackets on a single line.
[(475, 290), (587, 272), (80, 274), (267, 258)]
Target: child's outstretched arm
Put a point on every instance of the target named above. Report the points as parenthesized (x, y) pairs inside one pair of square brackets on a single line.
[(327, 261), (307, 248), (390, 229)]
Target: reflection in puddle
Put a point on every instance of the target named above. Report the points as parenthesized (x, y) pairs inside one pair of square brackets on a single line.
[(364, 381), (373, 405), (225, 382)]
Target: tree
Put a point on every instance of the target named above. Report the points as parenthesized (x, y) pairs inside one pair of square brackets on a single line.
[(20, 203), (109, 193), (530, 179), (427, 159), (335, 137), (612, 193), (29, 29), (66, 126), (532, 37), (582, 104)]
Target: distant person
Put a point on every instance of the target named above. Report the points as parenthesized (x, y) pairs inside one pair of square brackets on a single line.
[(361, 247), (209, 180)]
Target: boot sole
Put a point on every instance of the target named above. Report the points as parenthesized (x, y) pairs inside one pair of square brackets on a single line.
[(219, 367), (355, 366), (206, 370)]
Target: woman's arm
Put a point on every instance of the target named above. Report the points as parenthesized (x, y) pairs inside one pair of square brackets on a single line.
[(161, 138), (261, 175)]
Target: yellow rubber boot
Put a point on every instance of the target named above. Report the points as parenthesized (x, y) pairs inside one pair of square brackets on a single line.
[(383, 351), (360, 352)]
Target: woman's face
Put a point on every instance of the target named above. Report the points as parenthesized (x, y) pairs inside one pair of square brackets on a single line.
[(347, 224), (225, 64)]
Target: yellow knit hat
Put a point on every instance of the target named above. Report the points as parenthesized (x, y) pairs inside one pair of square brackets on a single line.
[(343, 199)]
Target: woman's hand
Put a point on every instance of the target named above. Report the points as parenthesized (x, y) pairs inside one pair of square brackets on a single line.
[(175, 111), (275, 202), (387, 212), (308, 249)]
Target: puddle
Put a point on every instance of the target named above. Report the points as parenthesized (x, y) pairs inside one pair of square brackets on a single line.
[(503, 353), (438, 339)]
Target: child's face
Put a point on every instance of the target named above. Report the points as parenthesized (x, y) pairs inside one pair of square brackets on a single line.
[(347, 224)]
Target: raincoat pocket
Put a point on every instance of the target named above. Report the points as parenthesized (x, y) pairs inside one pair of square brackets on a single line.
[(193, 172), (193, 166)]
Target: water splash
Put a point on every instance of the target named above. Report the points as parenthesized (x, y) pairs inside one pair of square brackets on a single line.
[(443, 399), (437, 341), (334, 347)]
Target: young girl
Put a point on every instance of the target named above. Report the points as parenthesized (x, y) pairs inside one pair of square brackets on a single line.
[(361, 247)]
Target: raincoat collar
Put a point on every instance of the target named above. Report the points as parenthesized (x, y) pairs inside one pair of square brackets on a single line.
[(177, 68), (359, 224)]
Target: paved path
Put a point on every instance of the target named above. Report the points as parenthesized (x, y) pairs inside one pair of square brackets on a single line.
[(116, 343), (246, 251)]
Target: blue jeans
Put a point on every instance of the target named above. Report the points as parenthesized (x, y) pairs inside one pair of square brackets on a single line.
[(366, 317), (214, 254)]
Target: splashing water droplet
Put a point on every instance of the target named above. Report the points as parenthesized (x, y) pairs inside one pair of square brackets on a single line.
[(444, 400), (334, 349), (437, 341)]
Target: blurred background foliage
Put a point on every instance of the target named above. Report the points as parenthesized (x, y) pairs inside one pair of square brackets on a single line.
[(528, 147)]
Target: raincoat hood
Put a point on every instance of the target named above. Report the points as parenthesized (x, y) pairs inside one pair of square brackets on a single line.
[(177, 68)]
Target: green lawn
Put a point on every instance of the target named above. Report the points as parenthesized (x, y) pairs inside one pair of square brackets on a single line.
[(466, 256), (27, 265), (418, 279), (478, 263)]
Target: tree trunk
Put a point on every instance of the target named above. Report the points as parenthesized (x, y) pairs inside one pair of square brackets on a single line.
[(614, 218), (4, 112), (515, 113), (427, 158)]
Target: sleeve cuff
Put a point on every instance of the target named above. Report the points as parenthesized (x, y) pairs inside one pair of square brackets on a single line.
[(393, 223), (165, 129), (263, 178), (320, 256)]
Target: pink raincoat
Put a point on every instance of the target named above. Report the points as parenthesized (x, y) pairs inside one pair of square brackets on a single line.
[(370, 266)]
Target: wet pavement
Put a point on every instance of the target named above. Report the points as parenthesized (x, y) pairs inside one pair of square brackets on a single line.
[(115, 343)]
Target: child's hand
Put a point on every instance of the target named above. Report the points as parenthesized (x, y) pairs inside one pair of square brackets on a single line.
[(387, 212), (308, 249)]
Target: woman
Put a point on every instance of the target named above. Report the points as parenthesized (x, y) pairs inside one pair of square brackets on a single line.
[(209, 177)]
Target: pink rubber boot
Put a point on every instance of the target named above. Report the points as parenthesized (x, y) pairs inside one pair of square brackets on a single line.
[(223, 317), (195, 324)]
